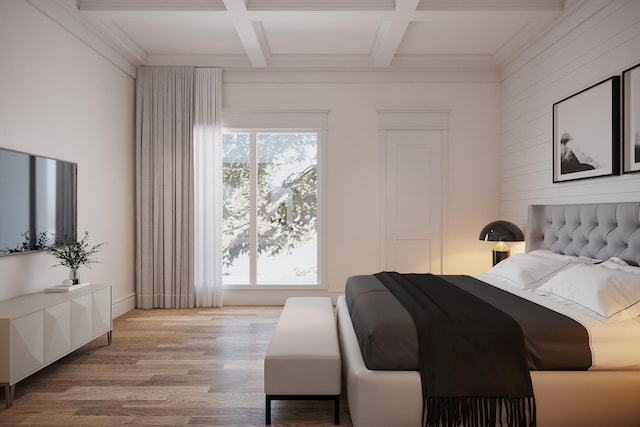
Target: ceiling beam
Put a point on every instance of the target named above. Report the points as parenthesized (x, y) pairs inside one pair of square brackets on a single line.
[(320, 5), (391, 32), (251, 33)]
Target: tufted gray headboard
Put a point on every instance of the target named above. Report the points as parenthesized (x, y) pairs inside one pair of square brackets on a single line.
[(599, 230)]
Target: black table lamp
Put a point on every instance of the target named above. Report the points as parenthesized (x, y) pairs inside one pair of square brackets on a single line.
[(501, 232)]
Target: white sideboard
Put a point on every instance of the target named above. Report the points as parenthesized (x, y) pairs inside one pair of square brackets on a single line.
[(38, 329)]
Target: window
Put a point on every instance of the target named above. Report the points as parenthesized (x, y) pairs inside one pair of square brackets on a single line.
[(270, 214)]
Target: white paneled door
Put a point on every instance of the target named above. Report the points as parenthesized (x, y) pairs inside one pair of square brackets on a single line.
[(412, 147)]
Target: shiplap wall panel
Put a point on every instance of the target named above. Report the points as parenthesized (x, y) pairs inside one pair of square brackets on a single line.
[(535, 125), (598, 40), (576, 48), (579, 12), (539, 96), (518, 158)]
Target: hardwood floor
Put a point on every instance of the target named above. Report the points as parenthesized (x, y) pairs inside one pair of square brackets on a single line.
[(196, 367)]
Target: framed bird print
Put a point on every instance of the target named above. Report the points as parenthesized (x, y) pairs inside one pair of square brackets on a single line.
[(586, 133)]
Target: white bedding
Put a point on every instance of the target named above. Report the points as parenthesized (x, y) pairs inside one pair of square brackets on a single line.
[(608, 394), (568, 399), (614, 346)]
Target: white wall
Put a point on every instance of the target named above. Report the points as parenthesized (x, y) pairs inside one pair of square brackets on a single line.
[(599, 40), (353, 159), (60, 99)]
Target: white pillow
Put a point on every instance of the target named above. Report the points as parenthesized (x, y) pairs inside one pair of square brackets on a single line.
[(610, 293), (616, 263), (572, 259), (528, 271)]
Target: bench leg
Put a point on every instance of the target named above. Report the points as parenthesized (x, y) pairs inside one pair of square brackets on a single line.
[(336, 410), (267, 410)]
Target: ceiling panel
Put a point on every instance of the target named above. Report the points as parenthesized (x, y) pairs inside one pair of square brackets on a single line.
[(309, 33), (336, 36), (461, 33), (171, 37)]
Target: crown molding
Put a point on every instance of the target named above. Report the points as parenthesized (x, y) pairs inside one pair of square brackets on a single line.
[(445, 62), (483, 5), (251, 5), (123, 43), (318, 5), (355, 76), (150, 5), (65, 13), (401, 63), (223, 61)]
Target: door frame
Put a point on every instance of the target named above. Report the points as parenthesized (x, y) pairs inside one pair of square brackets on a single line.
[(428, 119)]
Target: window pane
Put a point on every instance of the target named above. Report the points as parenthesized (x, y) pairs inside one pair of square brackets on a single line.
[(236, 213), (287, 208)]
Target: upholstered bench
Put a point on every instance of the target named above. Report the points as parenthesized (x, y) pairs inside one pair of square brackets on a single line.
[(303, 359)]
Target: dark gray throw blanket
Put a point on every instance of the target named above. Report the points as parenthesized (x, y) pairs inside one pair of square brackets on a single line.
[(472, 355)]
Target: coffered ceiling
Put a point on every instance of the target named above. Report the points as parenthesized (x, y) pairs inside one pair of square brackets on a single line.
[(318, 34)]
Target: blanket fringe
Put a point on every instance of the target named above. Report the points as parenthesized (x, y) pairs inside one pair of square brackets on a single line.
[(475, 411)]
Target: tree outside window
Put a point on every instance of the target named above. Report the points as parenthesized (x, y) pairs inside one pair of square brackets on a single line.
[(270, 224)]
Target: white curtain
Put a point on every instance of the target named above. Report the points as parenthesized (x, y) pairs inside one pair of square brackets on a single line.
[(207, 140), (178, 185), (164, 188)]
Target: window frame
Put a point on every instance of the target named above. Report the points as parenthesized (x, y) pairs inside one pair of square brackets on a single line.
[(253, 131)]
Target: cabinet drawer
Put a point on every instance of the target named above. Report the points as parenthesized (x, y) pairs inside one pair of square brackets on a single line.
[(101, 311), (27, 345), (57, 332), (81, 320)]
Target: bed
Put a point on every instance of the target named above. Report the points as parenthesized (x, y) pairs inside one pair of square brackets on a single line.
[(608, 393)]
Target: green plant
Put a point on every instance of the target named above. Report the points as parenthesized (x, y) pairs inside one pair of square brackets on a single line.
[(31, 242), (73, 253)]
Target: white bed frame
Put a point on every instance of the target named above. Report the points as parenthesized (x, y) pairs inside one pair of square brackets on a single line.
[(563, 398)]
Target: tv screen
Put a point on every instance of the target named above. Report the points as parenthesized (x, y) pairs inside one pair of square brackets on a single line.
[(37, 201)]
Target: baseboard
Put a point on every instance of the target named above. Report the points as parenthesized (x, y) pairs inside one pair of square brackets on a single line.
[(272, 296), (123, 305), (238, 297)]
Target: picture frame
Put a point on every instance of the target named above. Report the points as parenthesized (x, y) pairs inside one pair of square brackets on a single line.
[(631, 119), (586, 133)]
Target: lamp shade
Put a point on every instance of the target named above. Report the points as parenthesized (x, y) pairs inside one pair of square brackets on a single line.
[(501, 231)]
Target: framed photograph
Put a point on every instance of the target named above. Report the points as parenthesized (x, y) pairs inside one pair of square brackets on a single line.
[(631, 119), (586, 133)]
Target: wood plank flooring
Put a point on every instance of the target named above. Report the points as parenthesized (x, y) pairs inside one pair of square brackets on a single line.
[(195, 367)]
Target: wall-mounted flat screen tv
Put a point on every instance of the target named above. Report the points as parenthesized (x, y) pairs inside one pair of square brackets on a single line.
[(38, 203)]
